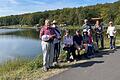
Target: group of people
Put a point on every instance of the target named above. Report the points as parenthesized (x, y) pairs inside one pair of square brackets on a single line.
[(51, 37)]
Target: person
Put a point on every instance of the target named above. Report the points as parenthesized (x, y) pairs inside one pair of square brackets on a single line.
[(87, 44), (68, 46), (56, 41), (99, 34), (86, 25), (111, 31), (91, 47), (47, 35), (77, 41)]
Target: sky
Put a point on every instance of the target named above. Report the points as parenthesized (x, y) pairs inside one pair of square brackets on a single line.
[(14, 7)]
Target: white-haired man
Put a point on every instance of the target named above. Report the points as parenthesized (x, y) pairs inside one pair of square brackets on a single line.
[(47, 35)]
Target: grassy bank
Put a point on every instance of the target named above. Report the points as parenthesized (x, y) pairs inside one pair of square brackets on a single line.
[(17, 27), (80, 27), (26, 69)]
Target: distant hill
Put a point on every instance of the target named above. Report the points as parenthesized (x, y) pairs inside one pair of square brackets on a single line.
[(71, 16)]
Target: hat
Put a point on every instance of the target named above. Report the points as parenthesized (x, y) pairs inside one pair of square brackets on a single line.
[(84, 30), (85, 20), (54, 22), (110, 22), (67, 31), (78, 31)]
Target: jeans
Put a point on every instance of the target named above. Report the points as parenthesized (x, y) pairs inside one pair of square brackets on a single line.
[(90, 50), (112, 42), (100, 37), (47, 49)]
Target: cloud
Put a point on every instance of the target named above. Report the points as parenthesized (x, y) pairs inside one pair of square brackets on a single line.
[(38, 2), (13, 1), (12, 7)]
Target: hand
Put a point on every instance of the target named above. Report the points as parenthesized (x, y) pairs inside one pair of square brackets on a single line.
[(98, 32), (52, 36), (59, 38)]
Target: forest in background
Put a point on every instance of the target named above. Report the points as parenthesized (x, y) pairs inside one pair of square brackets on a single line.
[(69, 16)]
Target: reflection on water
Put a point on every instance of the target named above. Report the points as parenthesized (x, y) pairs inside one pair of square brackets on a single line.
[(21, 43), (2, 31)]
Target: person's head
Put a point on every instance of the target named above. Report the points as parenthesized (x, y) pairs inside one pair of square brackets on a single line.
[(47, 22), (85, 21), (54, 23), (110, 23), (85, 32), (78, 32), (67, 32), (97, 22)]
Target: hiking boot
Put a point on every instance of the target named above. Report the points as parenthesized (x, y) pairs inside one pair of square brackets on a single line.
[(68, 61), (55, 63), (45, 69)]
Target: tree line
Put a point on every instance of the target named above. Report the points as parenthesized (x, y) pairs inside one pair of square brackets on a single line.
[(70, 16)]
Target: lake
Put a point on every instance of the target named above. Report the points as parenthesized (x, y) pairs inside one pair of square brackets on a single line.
[(19, 43)]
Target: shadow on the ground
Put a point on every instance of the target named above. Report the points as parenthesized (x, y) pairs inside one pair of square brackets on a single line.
[(106, 52), (83, 64), (100, 54), (86, 64)]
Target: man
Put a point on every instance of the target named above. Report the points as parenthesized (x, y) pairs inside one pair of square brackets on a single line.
[(86, 25), (47, 35), (77, 41), (99, 34), (56, 41)]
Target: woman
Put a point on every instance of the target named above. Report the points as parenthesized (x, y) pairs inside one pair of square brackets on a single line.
[(88, 44), (99, 34), (111, 31), (68, 45)]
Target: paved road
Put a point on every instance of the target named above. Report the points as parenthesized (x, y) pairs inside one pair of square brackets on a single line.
[(105, 66)]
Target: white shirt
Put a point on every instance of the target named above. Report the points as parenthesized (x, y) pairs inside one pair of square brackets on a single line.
[(68, 40), (111, 31)]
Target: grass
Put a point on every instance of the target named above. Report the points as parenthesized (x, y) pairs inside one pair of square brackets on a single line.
[(25, 69), (71, 27), (79, 27), (17, 26)]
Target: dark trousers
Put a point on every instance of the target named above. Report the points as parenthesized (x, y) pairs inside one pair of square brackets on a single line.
[(112, 42), (70, 50), (56, 51), (90, 50), (100, 37)]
